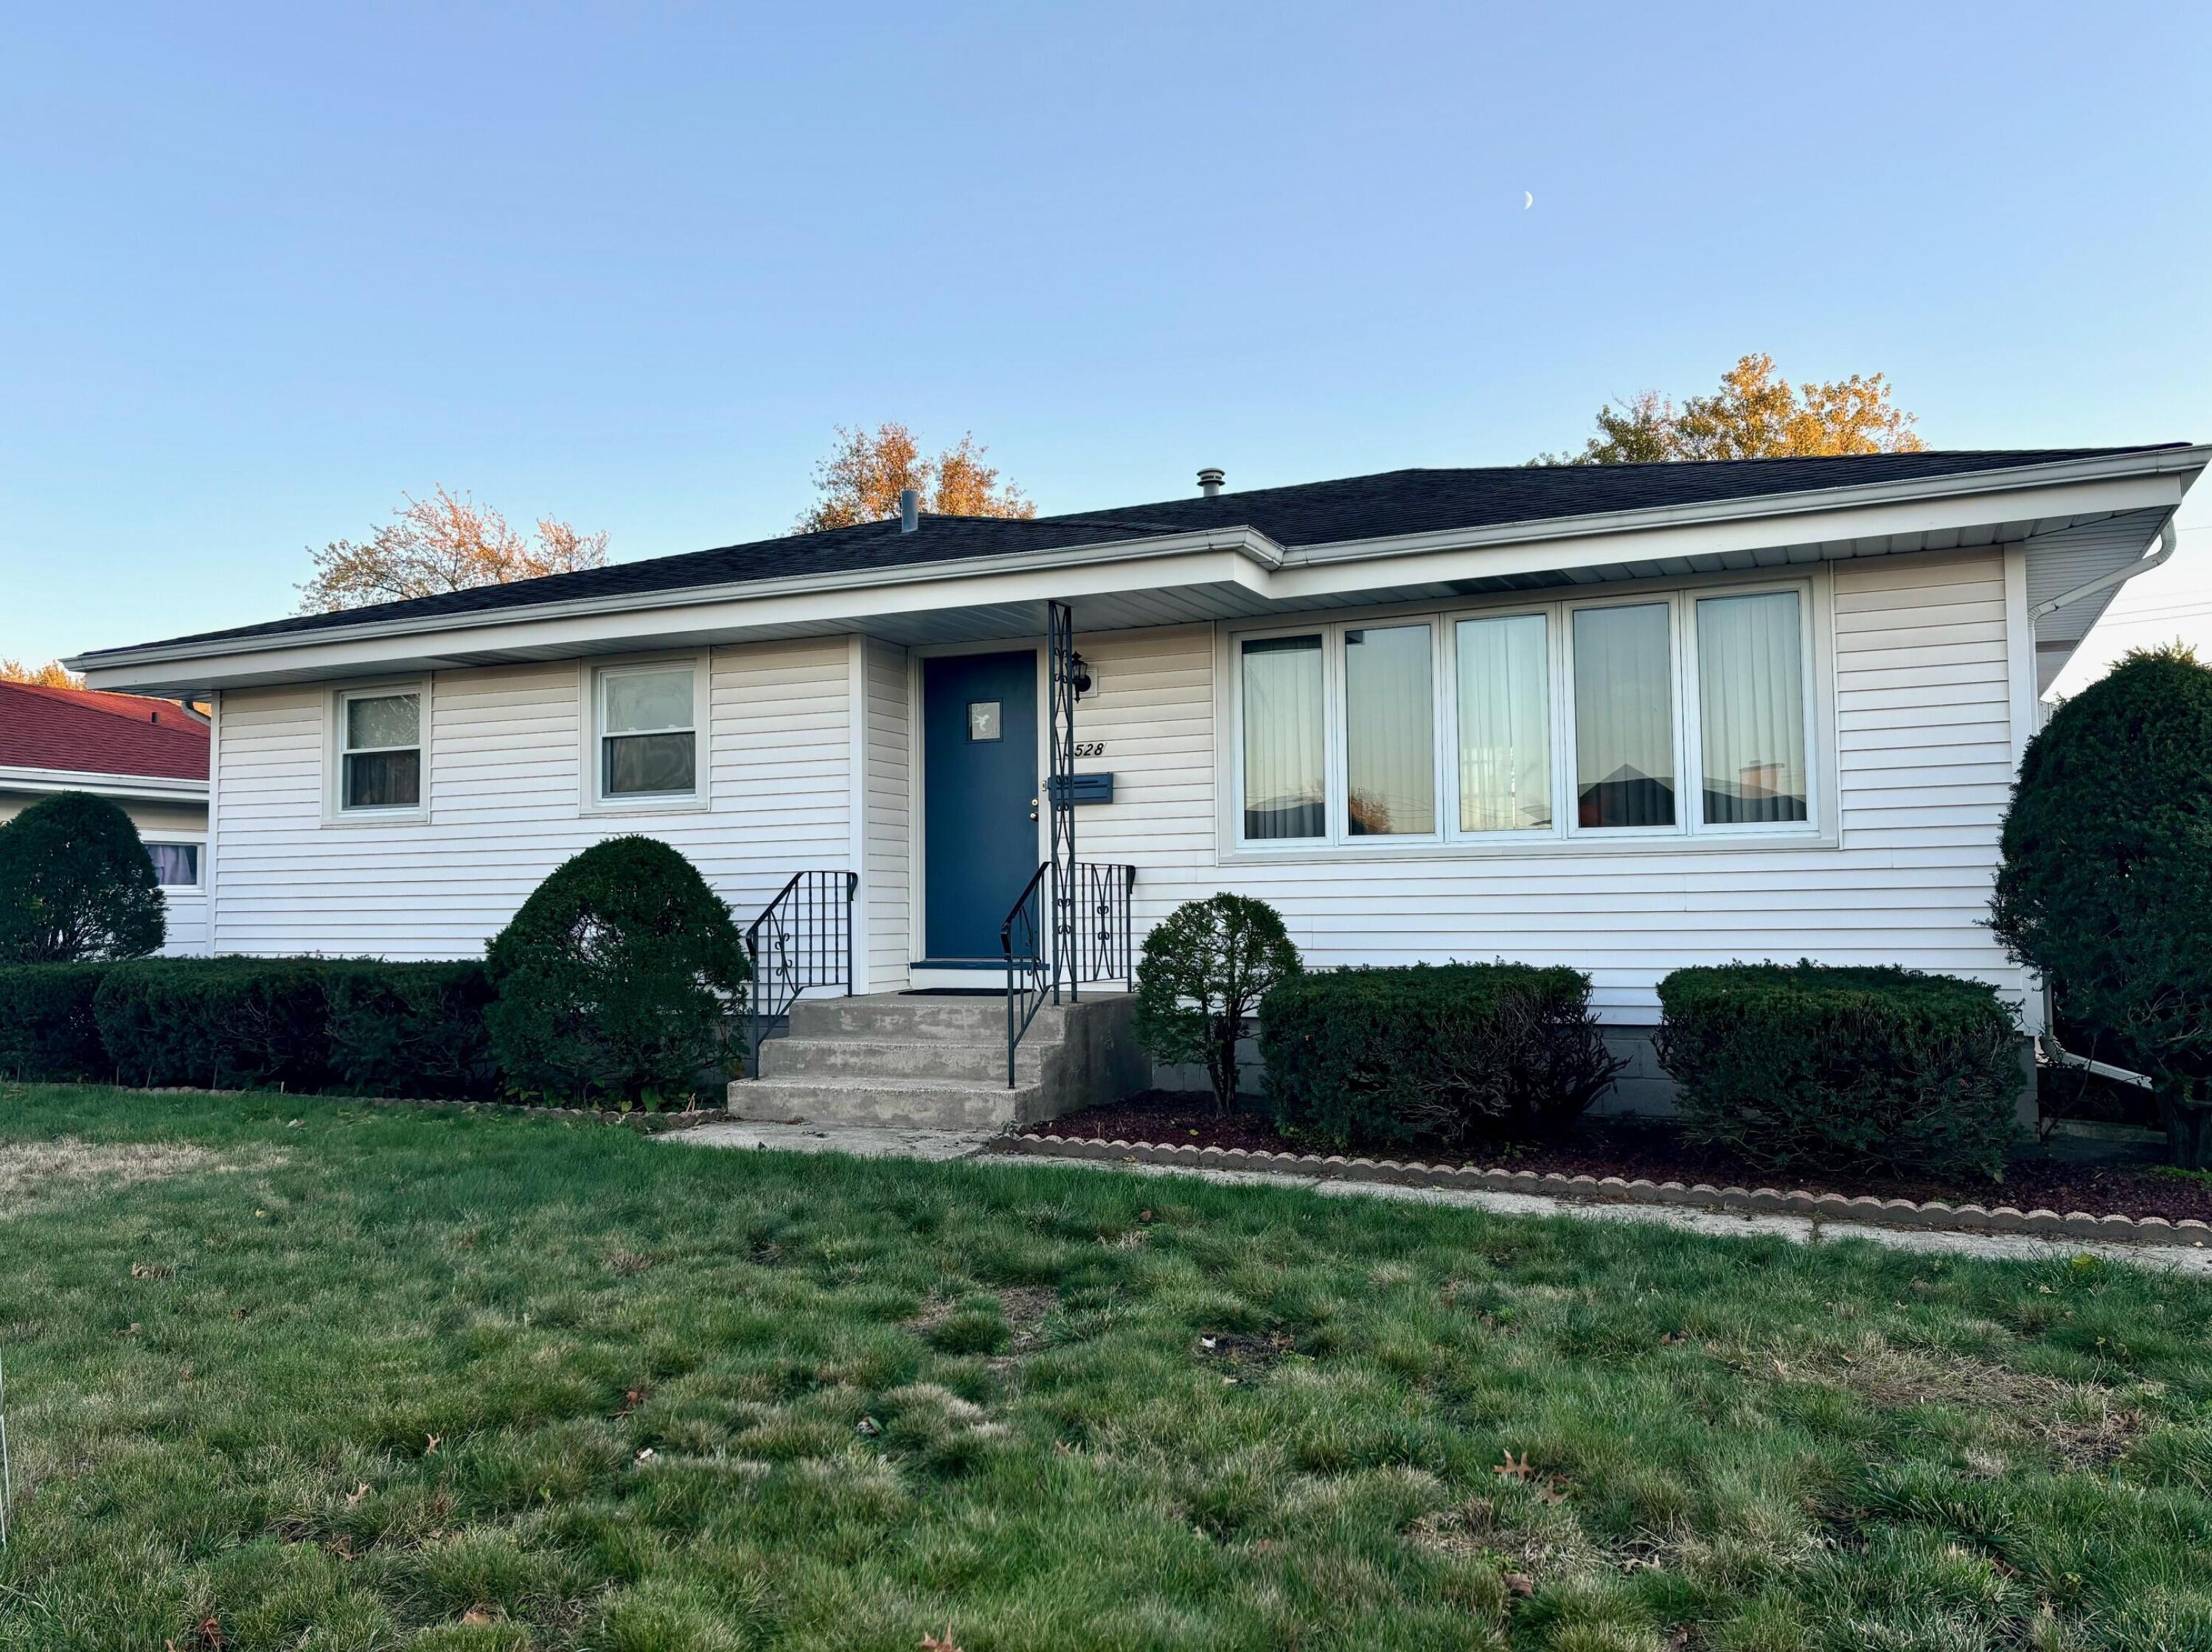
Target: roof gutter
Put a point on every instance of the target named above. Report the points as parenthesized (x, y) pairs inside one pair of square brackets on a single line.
[(2167, 538)]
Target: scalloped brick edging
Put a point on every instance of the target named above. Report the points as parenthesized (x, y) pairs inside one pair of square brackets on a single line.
[(1751, 1201)]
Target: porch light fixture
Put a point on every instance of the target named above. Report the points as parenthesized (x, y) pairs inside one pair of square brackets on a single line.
[(1079, 675)]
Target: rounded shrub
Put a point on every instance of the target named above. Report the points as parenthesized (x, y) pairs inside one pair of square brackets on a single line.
[(1205, 969), (77, 885), (1852, 1072), (616, 980), (2105, 886), (1446, 1053)]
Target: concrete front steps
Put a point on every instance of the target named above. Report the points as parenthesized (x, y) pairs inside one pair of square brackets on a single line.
[(915, 1061)]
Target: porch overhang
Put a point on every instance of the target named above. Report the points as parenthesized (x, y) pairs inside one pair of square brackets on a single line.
[(1219, 573)]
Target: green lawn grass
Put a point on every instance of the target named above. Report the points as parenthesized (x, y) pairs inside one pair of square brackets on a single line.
[(288, 1373)]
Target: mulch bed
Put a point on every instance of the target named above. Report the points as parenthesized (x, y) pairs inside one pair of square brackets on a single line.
[(1654, 1150)]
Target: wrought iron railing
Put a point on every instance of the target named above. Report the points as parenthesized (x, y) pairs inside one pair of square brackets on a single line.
[(1070, 927), (802, 939)]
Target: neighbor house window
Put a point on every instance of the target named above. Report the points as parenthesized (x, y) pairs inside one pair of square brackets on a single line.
[(1751, 709), (1286, 778), (1504, 724), (648, 732), (1623, 717), (1389, 731), (176, 866), (380, 759)]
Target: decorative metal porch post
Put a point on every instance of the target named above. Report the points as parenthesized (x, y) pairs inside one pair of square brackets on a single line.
[(1059, 621)]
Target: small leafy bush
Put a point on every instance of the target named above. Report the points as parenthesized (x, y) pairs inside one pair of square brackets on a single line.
[(1850, 1072), (218, 1023), (616, 979), (2105, 888), (1437, 1053), (77, 885), (47, 1031), (1205, 969), (410, 1029)]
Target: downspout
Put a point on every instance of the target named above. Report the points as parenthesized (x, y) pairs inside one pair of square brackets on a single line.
[(2047, 1040)]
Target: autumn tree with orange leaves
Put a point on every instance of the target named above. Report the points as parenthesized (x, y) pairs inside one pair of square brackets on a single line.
[(51, 675), (1754, 415), (442, 543), (862, 479)]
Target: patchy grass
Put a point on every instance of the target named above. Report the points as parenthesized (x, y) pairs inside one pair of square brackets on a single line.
[(293, 1373)]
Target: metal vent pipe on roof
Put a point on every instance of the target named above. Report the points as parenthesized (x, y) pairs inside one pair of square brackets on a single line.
[(1210, 480), (909, 509)]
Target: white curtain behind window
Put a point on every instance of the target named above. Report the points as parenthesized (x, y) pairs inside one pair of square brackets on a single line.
[(1751, 707), (1389, 731), (1623, 717), (1504, 724), (1284, 787)]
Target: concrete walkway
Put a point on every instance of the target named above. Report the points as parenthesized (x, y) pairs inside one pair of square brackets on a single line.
[(937, 1145)]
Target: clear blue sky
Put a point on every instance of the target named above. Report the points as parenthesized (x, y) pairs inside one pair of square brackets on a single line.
[(266, 267)]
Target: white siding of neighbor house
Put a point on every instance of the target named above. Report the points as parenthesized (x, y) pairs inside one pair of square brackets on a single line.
[(1924, 761), (506, 762), (887, 814)]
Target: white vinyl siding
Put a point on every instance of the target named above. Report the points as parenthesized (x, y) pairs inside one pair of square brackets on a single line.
[(503, 793), (888, 813), (1923, 766)]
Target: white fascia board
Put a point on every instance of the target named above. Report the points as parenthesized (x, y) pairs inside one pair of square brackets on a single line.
[(1244, 560), (152, 788), (1589, 542)]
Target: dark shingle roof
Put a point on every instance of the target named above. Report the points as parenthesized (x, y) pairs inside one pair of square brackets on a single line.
[(1316, 512)]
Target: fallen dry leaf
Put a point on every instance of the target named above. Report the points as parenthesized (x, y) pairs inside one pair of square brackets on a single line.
[(353, 1497), (931, 1643), (430, 1443), (1520, 1583), (1511, 1469), (476, 1615)]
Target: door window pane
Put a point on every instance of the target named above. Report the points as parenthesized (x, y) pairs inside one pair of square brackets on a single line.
[(1751, 709), (1284, 781), (382, 766), (1623, 717), (1504, 724), (1389, 731)]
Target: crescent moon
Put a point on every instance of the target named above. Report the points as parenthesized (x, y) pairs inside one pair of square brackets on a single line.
[(1528, 200)]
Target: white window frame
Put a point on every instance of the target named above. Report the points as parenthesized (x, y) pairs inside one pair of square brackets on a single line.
[(1555, 684), (336, 811), (1569, 785), (593, 689), (182, 841), (1442, 796), (1693, 733), (1818, 829)]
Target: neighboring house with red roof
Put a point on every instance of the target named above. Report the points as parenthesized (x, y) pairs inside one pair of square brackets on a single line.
[(149, 755)]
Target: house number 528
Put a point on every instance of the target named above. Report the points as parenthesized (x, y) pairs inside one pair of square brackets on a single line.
[(1090, 748)]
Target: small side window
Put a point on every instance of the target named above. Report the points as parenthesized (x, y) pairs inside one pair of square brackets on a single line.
[(380, 746), (648, 737), (176, 866)]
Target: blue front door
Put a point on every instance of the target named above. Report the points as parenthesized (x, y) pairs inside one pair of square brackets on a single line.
[(979, 734)]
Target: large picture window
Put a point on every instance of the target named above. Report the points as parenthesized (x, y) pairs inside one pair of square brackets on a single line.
[(1389, 732), (380, 751), (1661, 716), (1286, 754), (1623, 717), (648, 732), (1504, 724)]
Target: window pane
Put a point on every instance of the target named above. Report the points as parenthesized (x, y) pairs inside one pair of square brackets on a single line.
[(1751, 709), (1389, 731), (646, 701), (387, 719), (1284, 785), (638, 764), (1623, 717), (1504, 724), (176, 866), (383, 779)]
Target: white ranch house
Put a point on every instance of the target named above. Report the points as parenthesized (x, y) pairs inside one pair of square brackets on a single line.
[(1626, 718)]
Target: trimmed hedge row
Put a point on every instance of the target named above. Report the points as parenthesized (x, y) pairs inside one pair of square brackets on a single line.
[(1807, 1067), (1435, 1053), (356, 1026)]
